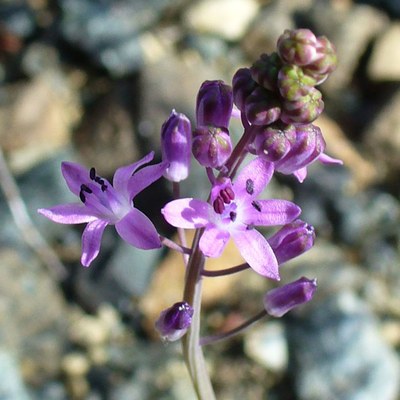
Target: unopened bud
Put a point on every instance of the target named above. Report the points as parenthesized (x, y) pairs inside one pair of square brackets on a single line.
[(265, 70), (242, 84), (262, 107)]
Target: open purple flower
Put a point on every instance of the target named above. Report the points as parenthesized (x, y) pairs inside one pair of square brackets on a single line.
[(104, 204), (234, 212)]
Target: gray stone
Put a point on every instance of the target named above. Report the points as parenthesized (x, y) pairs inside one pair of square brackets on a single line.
[(12, 386), (338, 352)]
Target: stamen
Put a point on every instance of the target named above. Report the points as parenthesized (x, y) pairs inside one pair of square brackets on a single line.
[(92, 173), (256, 205), (250, 186), (218, 205), (86, 189), (232, 216), (103, 187), (82, 196), (230, 192)]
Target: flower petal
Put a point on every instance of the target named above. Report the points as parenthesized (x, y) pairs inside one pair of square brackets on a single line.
[(269, 212), (145, 177), (255, 249), (74, 175), (213, 241), (137, 229), (67, 214), (123, 174), (91, 240), (301, 174), (253, 178), (325, 159), (188, 213)]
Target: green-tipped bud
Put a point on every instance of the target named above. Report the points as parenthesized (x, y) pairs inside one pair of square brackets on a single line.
[(325, 63), (262, 107), (304, 110), (293, 83), (273, 142), (298, 47), (211, 146), (265, 70)]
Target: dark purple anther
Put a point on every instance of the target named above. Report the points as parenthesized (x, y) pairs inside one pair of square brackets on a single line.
[(256, 205), (218, 205), (250, 186), (92, 173)]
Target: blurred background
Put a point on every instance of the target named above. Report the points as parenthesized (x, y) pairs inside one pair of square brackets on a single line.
[(92, 81)]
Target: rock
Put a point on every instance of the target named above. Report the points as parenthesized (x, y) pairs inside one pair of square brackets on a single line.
[(338, 352), (37, 118), (384, 64), (11, 384), (112, 34), (26, 290), (267, 345), (206, 16), (382, 137)]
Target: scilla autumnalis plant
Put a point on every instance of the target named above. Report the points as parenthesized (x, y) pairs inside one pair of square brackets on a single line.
[(276, 101)]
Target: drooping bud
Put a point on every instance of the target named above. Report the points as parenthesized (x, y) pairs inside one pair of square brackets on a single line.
[(279, 301), (293, 84), (309, 145), (262, 107), (304, 110), (265, 70), (292, 240), (325, 63), (214, 104), (211, 146), (273, 142), (242, 85), (173, 322), (298, 47), (176, 142)]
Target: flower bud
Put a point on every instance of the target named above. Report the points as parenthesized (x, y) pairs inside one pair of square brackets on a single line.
[(173, 322), (293, 83), (303, 110), (274, 141), (308, 147), (214, 104), (176, 138), (279, 301), (262, 107), (265, 70), (242, 86), (325, 63), (298, 47), (292, 240), (211, 146)]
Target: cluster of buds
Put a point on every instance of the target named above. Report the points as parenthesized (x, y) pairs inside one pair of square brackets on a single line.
[(278, 97)]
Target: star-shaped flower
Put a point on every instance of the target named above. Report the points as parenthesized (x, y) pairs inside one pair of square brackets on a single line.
[(234, 211), (104, 204)]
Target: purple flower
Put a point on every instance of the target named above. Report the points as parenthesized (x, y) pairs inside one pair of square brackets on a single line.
[(234, 212), (292, 240), (279, 301), (104, 204), (176, 144), (173, 322)]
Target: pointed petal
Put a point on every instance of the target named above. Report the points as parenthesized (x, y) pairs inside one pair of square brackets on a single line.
[(269, 212), (257, 252), (325, 159), (67, 214), (137, 229), (213, 241), (123, 174), (145, 177), (301, 174), (74, 175), (253, 178), (188, 213), (91, 240)]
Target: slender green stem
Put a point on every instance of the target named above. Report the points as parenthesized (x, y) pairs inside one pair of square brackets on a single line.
[(192, 350), (225, 335), (175, 246)]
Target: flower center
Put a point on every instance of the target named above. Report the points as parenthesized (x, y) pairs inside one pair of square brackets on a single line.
[(85, 189), (224, 204)]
